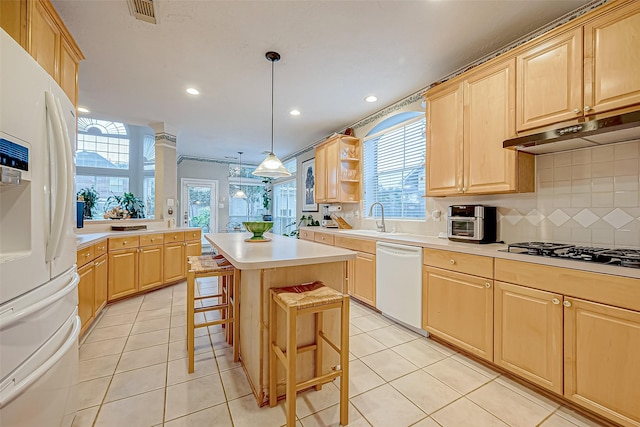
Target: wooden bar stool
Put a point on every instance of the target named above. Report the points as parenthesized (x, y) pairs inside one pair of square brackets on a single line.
[(311, 298), (227, 300)]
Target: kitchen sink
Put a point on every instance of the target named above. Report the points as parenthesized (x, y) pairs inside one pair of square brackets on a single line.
[(372, 233)]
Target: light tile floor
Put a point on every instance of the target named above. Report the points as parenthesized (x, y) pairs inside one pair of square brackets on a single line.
[(133, 372)]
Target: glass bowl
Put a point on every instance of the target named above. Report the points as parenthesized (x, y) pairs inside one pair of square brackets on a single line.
[(258, 228)]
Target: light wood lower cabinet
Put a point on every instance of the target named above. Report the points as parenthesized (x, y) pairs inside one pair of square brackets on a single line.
[(602, 359), (100, 296), (458, 308), (123, 273), (92, 288), (150, 259), (364, 278), (86, 294), (174, 265), (528, 334)]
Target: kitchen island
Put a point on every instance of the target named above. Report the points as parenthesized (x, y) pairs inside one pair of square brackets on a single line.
[(283, 261)]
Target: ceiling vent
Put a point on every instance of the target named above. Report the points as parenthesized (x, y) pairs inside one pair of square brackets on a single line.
[(143, 10)]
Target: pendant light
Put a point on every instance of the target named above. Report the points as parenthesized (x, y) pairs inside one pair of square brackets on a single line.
[(272, 167), (240, 194)]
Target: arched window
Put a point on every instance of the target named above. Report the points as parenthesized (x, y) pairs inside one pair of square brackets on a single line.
[(102, 144), (394, 166)]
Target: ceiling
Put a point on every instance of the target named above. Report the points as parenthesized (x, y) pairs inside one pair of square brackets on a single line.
[(334, 54)]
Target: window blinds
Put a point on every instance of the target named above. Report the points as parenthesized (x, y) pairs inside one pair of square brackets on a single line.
[(394, 170)]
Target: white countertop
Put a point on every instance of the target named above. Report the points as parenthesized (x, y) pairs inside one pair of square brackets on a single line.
[(279, 252), (494, 250), (86, 239)]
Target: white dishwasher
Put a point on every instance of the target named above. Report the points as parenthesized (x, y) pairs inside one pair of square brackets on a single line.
[(399, 283)]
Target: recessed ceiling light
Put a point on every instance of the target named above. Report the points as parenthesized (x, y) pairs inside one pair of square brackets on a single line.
[(193, 91), (294, 112), (371, 98), (82, 110)]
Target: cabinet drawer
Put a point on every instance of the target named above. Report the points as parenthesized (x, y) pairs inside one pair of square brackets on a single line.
[(85, 255), (463, 263), (151, 239), (100, 248), (327, 239), (306, 235), (360, 245), (174, 237), (193, 235), (123, 243)]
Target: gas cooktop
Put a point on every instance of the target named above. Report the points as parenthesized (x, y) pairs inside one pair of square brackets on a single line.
[(622, 257)]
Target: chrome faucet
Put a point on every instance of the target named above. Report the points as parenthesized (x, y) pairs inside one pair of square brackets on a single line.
[(381, 227)]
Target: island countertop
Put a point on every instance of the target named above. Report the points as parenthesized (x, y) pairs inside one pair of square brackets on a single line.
[(279, 252)]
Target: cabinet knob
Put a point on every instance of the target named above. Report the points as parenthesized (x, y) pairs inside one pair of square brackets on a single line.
[(576, 111), (587, 108), (567, 303), (556, 301), (175, 237), (487, 285), (464, 189), (124, 242), (88, 254), (152, 239), (459, 189), (452, 261)]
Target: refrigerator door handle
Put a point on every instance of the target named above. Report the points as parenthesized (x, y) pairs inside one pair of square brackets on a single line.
[(12, 390), (68, 167), (61, 189), (10, 317)]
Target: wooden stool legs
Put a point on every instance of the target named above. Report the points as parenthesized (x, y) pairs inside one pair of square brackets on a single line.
[(288, 357)]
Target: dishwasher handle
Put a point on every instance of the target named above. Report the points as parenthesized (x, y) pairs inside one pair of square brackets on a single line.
[(398, 250)]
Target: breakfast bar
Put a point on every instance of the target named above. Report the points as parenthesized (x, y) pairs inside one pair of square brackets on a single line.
[(278, 262)]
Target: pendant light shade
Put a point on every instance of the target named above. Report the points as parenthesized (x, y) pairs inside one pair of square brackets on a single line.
[(240, 194), (272, 167)]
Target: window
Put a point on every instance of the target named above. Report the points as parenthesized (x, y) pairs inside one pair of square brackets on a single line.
[(394, 166), (114, 158), (251, 208), (284, 201)]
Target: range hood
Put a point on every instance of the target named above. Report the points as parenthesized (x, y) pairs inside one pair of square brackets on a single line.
[(624, 127)]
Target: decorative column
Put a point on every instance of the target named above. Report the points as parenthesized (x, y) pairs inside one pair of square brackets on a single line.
[(166, 174)]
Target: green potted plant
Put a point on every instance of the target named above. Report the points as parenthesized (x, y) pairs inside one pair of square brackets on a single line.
[(89, 196), (296, 230), (125, 206)]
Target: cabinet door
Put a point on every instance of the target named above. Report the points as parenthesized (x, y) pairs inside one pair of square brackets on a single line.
[(333, 168), (150, 267), (123, 273), (459, 309), (549, 81), (444, 141), (528, 334), (174, 262), (86, 294), (13, 19), (68, 71), (100, 299), (320, 193), (364, 286), (489, 119), (612, 61), (602, 359), (193, 248), (44, 41)]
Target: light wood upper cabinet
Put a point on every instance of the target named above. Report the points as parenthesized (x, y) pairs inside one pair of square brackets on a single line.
[(549, 81), (13, 19), (612, 60), (337, 170), (69, 65), (602, 359), (467, 122), (458, 308), (44, 38), (444, 140), (528, 334)]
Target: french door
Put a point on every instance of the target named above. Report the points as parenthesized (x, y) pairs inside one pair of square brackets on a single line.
[(199, 204)]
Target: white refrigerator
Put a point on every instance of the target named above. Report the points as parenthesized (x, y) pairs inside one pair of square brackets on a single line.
[(39, 325)]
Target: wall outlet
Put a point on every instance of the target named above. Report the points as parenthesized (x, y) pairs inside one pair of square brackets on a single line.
[(436, 215)]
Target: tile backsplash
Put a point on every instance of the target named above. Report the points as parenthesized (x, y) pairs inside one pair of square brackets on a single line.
[(588, 196)]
